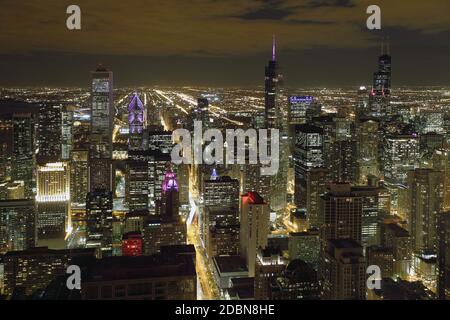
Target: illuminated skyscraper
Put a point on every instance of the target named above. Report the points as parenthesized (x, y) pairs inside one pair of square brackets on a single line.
[(367, 147), (23, 150), (136, 122), (443, 284), (400, 153), (343, 270), (254, 228), (99, 220), (270, 265), (340, 214), (49, 134), (66, 132), (426, 194), (79, 176), (53, 196), (17, 225), (221, 231), (167, 227), (310, 175), (272, 112), (381, 91), (376, 202), (102, 114)]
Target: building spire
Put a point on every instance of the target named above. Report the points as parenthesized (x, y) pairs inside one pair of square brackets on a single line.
[(273, 48)]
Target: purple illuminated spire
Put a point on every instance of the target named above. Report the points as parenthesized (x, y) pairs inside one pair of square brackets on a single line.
[(170, 181), (273, 48)]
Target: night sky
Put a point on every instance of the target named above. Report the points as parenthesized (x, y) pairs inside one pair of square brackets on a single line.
[(222, 42)]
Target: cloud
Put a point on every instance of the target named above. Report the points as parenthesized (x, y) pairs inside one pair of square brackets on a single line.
[(205, 27)]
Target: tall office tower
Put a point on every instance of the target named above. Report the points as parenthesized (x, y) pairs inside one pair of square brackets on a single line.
[(397, 240), (53, 182), (298, 282), (160, 140), (221, 234), (305, 246), (165, 276), (443, 284), (381, 91), (99, 220), (221, 190), (79, 176), (67, 121), (253, 180), (310, 175), (137, 186), (254, 228), (270, 264), (157, 163), (381, 257), (271, 83), (6, 147), (33, 269), (136, 122), (400, 154), (49, 134), (81, 134), (102, 114), (441, 161), (362, 103), (301, 109), (426, 188), (136, 190), (367, 150), (376, 203), (343, 270), (52, 197), (17, 225), (168, 227), (340, 214), (344, 151), (23, 150)]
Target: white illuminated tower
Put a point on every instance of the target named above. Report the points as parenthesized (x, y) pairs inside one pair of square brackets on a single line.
[(102, 114)]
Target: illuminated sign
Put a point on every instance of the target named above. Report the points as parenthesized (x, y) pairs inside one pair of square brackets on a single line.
[(301, 99)]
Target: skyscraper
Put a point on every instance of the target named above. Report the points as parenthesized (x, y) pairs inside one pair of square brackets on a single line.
[(343, 268), (381, 91), (310, 175), (49, 134), (272, 112), (443, 284), (254, 228), (99, 220), (425, 190), (136, 122), (53, 196), (17, 225), (102, 114), (23, 150), (340, 214)]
